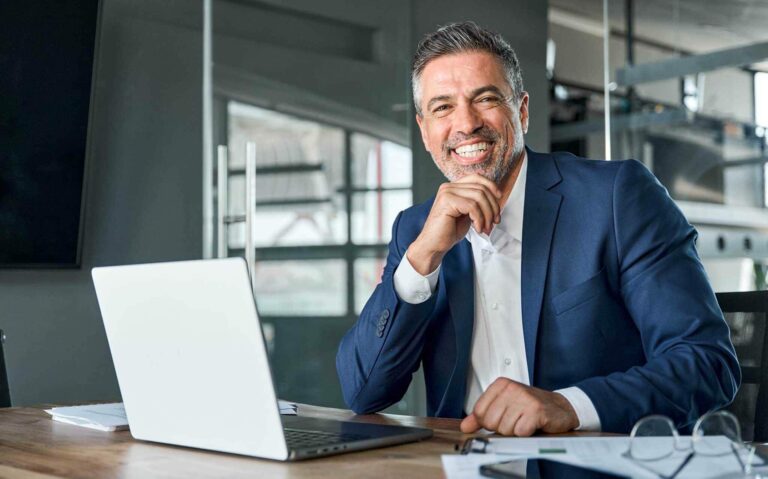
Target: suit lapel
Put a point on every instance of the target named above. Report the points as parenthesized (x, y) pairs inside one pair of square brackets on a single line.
[(459, 276), (539, 218)]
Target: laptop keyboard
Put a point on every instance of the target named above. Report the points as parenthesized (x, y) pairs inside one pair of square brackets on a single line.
[(299, 438)]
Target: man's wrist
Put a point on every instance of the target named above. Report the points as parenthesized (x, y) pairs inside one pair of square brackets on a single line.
[(588, 419), (572, 421), (424, 260)]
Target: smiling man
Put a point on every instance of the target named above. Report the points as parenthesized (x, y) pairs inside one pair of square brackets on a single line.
[(537, 291)]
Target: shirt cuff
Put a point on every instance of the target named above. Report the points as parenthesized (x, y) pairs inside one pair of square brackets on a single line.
[(411, 286), (585, 410)]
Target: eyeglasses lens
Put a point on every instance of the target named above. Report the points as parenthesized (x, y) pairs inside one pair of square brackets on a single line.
[(716, 433), (652, 438)]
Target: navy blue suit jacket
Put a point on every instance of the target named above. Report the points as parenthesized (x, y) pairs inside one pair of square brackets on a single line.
[(615, 301)]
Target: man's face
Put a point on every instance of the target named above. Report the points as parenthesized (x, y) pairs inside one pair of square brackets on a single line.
[(470, 122)]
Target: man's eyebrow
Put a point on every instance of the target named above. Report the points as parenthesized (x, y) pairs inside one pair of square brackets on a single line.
[(438, 99), (488, 88)]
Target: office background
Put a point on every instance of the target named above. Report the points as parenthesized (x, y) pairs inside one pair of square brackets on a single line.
[(323, 89)]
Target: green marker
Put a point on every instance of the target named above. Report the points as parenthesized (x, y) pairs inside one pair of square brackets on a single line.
[(552, 451)]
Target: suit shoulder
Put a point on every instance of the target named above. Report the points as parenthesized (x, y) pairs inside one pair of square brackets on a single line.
[(411, 221), (575, 168), (419, 210)]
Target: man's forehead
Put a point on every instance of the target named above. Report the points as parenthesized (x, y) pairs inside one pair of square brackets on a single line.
[(462, 73)]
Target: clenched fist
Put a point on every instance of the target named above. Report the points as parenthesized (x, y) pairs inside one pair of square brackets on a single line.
[(514, 409)]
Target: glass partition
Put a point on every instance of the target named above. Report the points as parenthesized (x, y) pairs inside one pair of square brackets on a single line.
[(310, 163)]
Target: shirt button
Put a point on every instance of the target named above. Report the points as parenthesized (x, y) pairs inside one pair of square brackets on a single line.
[(507, 361), (421, 296), (495, 306)]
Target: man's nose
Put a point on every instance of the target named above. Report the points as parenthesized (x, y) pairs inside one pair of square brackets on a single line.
[(467, 120)]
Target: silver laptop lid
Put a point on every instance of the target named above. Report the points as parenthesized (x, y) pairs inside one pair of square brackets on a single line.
[(190, 356)]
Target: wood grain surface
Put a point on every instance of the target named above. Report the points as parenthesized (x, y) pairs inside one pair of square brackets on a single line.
[(32, 446)]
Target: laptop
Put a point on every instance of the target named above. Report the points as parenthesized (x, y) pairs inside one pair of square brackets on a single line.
[(193, 368)]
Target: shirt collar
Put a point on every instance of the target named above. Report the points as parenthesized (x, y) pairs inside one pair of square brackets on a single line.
[(511, 213)]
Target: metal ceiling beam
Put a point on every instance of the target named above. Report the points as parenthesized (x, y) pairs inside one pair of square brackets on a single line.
[(634, 121), (688, 65), (758, 160)]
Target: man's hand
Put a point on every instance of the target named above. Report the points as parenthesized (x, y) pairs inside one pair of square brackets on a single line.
[(513, 409), (472, 200)]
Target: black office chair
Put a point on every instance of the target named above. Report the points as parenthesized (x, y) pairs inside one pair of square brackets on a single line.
[(5, 391), (747, 315)]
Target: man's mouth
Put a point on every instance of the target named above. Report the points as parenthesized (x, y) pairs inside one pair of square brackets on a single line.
[(472, 153)]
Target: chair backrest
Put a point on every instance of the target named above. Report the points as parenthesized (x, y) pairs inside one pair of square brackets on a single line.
[(747, 315), (5, 391)]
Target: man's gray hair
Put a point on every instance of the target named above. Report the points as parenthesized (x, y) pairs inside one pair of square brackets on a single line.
[(465, 37)]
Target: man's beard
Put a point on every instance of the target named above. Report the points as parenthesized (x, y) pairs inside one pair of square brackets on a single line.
[(496, 168)]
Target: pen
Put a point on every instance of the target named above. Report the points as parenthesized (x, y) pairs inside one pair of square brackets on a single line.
[(479, 445)]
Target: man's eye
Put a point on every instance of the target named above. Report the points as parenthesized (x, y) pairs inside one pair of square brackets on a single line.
[(488, 99), (440, 108)]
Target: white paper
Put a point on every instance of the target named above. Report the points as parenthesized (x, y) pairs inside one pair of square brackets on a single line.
[(103, 417), (601, 453), (112, 417), (459, 466), (287, 408)]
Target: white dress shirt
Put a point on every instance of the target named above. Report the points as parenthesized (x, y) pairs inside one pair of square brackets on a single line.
[(498, 346)]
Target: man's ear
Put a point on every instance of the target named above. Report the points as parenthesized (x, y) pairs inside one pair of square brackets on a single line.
[(422, 128), (524, 112)]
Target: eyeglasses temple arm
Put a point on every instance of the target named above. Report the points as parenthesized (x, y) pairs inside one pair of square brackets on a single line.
[(681, 466)]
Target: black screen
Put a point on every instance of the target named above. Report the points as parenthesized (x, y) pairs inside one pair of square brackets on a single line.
[(46, 62)]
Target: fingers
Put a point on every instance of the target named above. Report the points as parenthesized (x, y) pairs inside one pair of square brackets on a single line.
[(480, 179), (489, 396), (469, 424), (509, 422), (526, 425), (493, 404), (514, 409), (474, 203), (474, 200), (483, 194), (490, 188)]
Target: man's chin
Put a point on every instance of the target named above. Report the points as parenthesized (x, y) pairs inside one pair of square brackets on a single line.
[(479, 171)]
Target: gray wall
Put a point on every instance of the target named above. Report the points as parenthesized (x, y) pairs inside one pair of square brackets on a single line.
[(524, 25), (143, 200)]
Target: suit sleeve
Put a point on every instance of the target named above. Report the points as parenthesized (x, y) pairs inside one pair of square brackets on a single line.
[(378, 356), (691, 365)]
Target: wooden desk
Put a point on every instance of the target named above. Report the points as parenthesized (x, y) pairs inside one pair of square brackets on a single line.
[(32, 446)]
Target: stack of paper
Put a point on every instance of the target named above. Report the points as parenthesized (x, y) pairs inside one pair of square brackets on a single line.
[(287, 408), (606, 454), (104, 417), (111, 417)]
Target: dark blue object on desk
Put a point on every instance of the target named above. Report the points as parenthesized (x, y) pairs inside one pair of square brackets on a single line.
[(542, 469)]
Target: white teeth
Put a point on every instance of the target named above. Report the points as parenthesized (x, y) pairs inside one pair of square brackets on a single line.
[(473, 150)]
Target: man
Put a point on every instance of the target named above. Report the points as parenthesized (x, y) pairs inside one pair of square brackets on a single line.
[(538, 292)]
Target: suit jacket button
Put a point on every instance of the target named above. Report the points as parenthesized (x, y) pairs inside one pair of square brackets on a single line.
[(380, 333), (385, 314)]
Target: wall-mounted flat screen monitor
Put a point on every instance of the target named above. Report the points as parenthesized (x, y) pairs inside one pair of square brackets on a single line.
[(47, 53)]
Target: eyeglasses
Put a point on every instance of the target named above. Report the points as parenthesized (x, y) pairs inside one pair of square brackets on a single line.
[(654, 438)]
